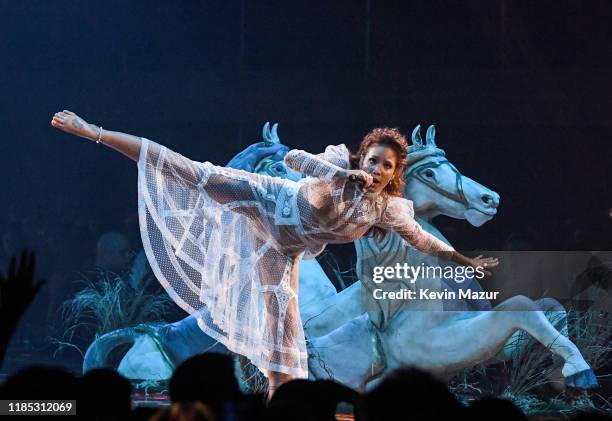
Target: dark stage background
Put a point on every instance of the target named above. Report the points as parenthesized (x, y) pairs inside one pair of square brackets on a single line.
[(520, 93)]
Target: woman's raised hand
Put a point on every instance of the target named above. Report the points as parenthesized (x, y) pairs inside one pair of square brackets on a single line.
[(485, 263), (73, 124)]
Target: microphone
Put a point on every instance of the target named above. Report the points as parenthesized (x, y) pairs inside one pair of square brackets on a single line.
[(354, 178), (357, 179)]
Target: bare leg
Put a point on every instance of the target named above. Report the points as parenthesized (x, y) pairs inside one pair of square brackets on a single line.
[(281, 320), (275, 379)]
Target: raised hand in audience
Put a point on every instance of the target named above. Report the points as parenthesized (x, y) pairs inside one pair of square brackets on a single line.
[(17, 291)]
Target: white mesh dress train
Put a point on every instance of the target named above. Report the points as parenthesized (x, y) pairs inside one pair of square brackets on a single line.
[(223, 242)]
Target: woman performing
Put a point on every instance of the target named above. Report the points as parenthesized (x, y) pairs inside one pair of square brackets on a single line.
[(226, 243)]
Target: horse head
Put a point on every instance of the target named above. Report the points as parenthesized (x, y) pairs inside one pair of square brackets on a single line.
[(437, 187), (265, 157)]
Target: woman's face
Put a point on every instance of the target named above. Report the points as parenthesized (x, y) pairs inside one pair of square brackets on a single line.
[(380, 162)]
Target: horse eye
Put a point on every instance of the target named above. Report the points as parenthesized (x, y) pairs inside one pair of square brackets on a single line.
[(429, 173)]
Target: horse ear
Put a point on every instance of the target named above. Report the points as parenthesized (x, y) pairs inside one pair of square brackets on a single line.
[(275, 137), (416, 137), (265, 133), (430, 137)]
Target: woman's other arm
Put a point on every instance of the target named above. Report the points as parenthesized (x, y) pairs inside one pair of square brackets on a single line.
[(333, 163), (312, 165), (399, 217)]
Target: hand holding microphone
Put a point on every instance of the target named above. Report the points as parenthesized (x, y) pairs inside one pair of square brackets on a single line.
[(361, 178)]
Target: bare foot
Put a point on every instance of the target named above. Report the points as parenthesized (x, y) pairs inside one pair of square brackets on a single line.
[(71, 123)]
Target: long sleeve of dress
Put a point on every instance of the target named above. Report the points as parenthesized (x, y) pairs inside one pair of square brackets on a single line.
[(325, 165), (399, 217)]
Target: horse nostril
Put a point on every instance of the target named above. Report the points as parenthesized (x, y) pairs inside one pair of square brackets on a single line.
[(488, 199)]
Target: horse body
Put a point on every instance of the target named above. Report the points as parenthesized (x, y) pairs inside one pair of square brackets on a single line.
[(429, 334)]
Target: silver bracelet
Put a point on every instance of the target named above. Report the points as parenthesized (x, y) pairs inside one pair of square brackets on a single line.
[(99, 135)]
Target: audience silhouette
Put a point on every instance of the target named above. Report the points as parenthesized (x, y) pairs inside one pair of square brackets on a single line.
[(205, 387), (482, 409), (409, 393), (207, 378)]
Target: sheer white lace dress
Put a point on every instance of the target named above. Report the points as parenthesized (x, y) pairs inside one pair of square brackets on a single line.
[(222, 242)]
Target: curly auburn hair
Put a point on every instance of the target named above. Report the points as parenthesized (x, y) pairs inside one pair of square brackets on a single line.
[(392, 138)]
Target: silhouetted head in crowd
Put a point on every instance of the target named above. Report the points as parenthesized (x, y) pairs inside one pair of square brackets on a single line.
[(409, 393), (143, 413), (104, 395), (185, 411), (315, 400), (487, 408), (113, 252), (41, 383), (208, 378), (311, 399)]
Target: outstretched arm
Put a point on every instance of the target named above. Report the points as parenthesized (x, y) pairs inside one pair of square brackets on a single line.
[(127, 144), (399, 217)]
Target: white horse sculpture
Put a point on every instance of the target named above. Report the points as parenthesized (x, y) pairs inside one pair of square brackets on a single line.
[(353, 337), (356, 337)]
